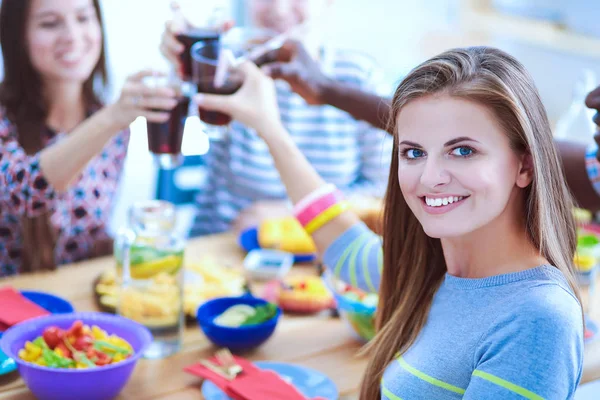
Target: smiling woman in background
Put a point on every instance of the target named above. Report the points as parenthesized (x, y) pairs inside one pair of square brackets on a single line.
[(476, 284), (61, 150)]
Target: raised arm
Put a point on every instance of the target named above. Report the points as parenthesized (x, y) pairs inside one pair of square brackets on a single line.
[(255, 105), (294, 65)]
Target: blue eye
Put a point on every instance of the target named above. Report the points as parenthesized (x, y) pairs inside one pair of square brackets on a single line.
[(463, 151), (413, 153)]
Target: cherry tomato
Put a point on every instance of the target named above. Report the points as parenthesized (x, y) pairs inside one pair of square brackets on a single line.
[(53, 336), (83, 342), (65, 350), (76, 329), (102, 358)]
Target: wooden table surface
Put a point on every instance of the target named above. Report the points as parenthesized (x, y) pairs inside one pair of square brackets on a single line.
[(318, 342)]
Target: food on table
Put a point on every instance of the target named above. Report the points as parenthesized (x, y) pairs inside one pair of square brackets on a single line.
[(204, 280), (244, 315), (79, 347), (303, 294), (584, 263), (582, 216), (285, 234), (358, 308), (370, 210), (157, 304), (148, 261), (588, 251)]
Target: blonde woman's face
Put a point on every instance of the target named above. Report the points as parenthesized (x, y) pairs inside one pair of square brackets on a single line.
[(281, 15), (456, 169)]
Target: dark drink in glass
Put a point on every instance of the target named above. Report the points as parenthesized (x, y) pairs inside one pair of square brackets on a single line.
[(204, 65), (214, 117), (188, 39), (164, 139)]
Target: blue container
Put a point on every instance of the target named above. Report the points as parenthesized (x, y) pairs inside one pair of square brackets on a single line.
[(235, 339), (50, 303)]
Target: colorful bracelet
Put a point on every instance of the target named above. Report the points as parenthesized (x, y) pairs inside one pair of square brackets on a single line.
[(327, 215), (318, 206), (313, 196)]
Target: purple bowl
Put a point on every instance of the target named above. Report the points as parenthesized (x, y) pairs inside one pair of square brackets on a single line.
[(102, 383)]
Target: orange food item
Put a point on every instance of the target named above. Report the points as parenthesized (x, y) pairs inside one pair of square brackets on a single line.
[(304, 295)]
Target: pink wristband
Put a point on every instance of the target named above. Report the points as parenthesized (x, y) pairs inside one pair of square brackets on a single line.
[(318, 206), (313, 196)]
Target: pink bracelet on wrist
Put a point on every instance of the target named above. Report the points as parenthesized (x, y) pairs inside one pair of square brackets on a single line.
[(312, 196), (317, 206)]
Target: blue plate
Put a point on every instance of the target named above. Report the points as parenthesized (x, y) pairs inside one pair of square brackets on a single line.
[(309, 382), (248, 241), (51, 303)]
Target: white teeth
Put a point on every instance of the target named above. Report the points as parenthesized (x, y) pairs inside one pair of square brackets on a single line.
[(442, 201), (70, 56)]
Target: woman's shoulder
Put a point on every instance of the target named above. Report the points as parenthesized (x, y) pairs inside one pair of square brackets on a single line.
[(545, 302)]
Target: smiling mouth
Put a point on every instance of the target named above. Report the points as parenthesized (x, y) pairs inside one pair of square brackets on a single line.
[(71, 58), (442, 201)]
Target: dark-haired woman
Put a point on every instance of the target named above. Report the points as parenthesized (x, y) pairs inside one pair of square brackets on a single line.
[(61, 150)]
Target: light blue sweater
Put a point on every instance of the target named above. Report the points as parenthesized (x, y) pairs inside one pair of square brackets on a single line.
[(512, 336)]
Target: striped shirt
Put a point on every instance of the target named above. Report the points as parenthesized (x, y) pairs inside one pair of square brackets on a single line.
[(511, 336), (348, 153)]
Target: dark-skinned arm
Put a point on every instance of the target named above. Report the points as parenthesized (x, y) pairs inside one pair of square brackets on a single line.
[(295, 65)]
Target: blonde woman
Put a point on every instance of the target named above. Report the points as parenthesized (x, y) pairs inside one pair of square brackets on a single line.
[(477, 299)]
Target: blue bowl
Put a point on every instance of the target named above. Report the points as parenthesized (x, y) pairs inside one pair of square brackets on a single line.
[(52, 304), (235, 339)]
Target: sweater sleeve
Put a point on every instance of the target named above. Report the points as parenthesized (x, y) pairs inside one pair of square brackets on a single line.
[(536, 353), (356, 257), (24, 189)]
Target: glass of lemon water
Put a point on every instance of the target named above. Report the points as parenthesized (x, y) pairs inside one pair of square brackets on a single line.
[(149, 258)]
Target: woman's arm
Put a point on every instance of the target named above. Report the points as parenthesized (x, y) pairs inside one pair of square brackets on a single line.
[(62, 162), (295, 65), (578, 173), (255, 105)]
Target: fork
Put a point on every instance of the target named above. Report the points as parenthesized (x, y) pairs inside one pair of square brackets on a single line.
[(214, 368), (225, 358)]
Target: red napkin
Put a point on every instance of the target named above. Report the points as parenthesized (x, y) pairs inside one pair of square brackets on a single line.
[(15, 308), (252, 384)]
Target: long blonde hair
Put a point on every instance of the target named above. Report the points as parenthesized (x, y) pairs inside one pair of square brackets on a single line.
[(414, 265)]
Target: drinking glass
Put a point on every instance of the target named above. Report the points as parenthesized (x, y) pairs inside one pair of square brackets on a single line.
[(149, 258), (165, 138), (205, 60)]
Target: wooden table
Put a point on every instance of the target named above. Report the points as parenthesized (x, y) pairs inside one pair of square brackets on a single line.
[(319, 342)]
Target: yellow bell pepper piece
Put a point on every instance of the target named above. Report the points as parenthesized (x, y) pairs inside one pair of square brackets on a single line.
[(30, 352), (99, 333), (285, 234), (120, 342)]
